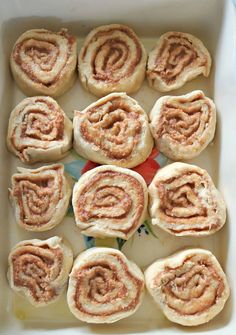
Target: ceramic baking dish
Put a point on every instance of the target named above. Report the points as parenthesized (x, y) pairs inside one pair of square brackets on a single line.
[(213, 21)]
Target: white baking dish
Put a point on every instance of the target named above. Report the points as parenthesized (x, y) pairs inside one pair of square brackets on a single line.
[(213, 21)]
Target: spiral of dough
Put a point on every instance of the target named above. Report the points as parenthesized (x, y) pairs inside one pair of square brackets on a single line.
[(104, 286), (183, 126), (44, 62), (112, 59), (184, 201), (39, 130), (177, 58), (40, 197), (189, 286), (39, 269), (109, 201), (113, 130)]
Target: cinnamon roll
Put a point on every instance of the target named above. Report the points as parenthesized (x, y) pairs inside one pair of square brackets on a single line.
[(176, 59), (104, 286), (110, 201), (39, 130), (190, 286), (184, 201), (113, 130), (40, 197), (44, 62), (184, 125), (39, 269), (112, 59)]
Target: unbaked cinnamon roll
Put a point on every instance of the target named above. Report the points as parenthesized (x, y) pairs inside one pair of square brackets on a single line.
[(40, 197), (44, 62), (184, 125), (39, 269), (190, 286), (39, 130), (104, 286), (184, 201), (113, 130), (110, 201), (176, 59), (112, 59)]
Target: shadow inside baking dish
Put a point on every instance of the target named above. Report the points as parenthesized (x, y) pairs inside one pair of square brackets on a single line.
[(146, 318)]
